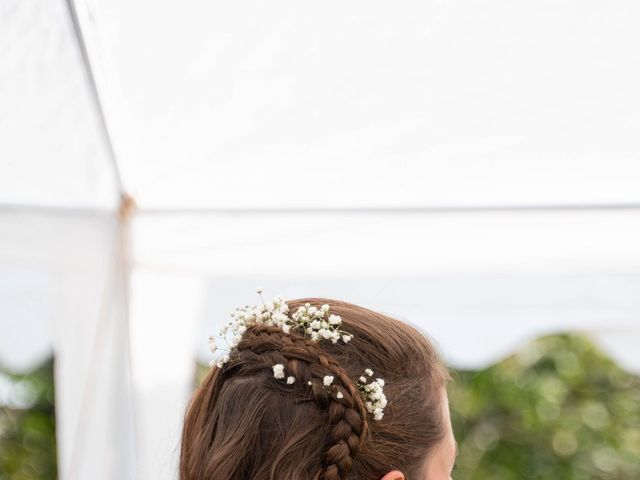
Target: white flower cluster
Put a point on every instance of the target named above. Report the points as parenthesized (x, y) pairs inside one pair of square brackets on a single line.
[(312, 322), (278, 372), (375, 399)]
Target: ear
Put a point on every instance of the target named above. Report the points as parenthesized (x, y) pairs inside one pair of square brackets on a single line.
[(393, 475)]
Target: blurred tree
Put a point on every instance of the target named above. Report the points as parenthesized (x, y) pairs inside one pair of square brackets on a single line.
[(27, 425), (557, 409)]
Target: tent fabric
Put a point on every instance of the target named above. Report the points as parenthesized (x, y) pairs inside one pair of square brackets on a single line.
[(70, 296), (52, 150), (369, 104), (521, 276), (470, 168)]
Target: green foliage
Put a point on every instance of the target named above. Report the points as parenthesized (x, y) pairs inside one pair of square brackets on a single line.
[(27, 425), (557, 409)]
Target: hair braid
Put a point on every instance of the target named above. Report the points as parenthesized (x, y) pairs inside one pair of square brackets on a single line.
[(266, 345)]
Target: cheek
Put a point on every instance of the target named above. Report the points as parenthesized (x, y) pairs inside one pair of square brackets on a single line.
[(438, 467)]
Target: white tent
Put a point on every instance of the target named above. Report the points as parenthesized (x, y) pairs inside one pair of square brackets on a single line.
[(473, 167)]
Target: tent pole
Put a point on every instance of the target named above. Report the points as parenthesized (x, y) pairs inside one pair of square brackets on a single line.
[(95, 92)]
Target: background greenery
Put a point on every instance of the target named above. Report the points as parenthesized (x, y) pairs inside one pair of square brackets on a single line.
[(557, 409), (27, 425)]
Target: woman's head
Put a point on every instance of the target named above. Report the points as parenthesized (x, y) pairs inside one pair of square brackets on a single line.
[(242, 423)]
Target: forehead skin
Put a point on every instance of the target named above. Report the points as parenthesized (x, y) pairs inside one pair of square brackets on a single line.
[(440, 461)]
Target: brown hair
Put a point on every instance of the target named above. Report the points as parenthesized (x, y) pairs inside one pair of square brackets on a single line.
[(243, 424)]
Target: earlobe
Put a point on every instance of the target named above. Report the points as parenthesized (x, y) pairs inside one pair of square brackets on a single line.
[(393, 475)]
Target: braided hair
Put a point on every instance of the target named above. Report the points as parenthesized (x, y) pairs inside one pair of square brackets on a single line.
[(244, 424)]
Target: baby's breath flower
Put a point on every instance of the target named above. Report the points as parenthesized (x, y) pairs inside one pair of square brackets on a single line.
[(212, 344), (224, 359), (375, 399), (315, 323), (278, 370)]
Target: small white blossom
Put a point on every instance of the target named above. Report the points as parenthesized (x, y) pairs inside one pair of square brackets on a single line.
[(279, 317), (339, 395), (278, 370), (212, 344), (309, 382), (324, 308), (347, 338), (327, 380), (222, 360), (375, 399), (259, 290), (362, 380), (368, 371), (291, 380), (335, 320)]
